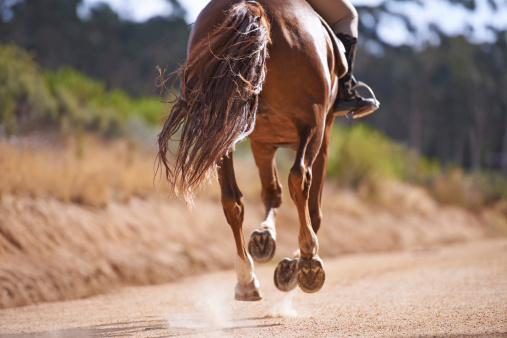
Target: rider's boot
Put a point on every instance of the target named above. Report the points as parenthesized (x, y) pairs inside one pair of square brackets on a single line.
[(348, 99)]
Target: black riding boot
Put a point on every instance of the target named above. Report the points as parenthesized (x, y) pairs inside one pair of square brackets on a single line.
[(348, 99)]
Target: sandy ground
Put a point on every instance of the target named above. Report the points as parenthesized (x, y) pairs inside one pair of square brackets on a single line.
[(92, 227), (54, 251), (451, 290)]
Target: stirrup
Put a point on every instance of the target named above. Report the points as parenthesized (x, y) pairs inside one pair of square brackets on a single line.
[(366, 110)]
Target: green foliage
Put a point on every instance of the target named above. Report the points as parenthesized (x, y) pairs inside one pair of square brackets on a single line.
[(85, 101), (67, 99), (362, 157), (23, 92), (360, 153), (79, 101), (100, 45)]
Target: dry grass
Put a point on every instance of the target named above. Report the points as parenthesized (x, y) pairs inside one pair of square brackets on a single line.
[(75, 226), (454, 188), (93, 173)]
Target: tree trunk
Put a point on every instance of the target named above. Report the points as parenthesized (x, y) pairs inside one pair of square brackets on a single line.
[(503, 153)]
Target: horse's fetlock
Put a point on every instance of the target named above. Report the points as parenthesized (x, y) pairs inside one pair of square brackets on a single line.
[(272, 195)]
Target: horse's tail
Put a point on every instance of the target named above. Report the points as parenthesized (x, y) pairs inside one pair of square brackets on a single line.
[(220, 84)]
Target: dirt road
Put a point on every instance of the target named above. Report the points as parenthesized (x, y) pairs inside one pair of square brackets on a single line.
[(442, 291)]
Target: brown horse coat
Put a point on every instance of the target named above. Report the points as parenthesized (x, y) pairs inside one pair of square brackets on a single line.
[(270, 65)]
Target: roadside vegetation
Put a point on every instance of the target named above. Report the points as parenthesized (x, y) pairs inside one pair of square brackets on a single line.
[(80, 212), (65, 100), (103, 145), (363, 159), (65, 135)]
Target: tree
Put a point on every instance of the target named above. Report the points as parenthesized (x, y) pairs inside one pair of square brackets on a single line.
[(100, 46), (444, 100)]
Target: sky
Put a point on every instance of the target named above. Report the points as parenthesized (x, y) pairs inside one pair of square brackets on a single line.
[(452, 19)]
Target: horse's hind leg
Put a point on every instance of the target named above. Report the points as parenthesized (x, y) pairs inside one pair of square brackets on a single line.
[(262, 244), (310, 271), (247, 287), (319, 169), (286, 271)]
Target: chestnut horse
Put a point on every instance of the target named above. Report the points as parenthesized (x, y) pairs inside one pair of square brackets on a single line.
[(269, 70)]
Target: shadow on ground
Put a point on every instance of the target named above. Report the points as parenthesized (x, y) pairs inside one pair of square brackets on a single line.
[(150, 327)]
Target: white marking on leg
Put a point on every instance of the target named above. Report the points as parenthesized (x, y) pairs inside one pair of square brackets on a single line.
[(244, 270), (269, 223)]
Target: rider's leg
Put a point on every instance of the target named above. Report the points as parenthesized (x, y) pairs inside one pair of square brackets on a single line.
[(342, 16), (348, 98)]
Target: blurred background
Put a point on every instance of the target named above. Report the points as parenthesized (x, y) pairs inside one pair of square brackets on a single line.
[(83, 210)]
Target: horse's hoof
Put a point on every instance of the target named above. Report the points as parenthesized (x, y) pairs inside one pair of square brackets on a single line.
[(262, 245), (285, 275), (310, 274), (248, 292), (252, 297)]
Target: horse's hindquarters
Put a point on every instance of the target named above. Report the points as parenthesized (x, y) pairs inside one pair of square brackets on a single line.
[(225, 73)]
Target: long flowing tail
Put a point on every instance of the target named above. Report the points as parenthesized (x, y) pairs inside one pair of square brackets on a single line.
[(220, 84)]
